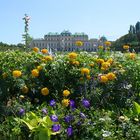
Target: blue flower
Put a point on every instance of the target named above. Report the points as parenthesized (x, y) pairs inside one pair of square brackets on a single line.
[(69, 131), (79, 123), (44, 111), (54, 118), (68, 118), (86, 103), (82, 115), (21, 111), (52, 103), (56, 127), (72, 103)]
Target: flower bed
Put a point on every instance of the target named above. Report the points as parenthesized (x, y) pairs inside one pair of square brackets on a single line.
[(76, 95)]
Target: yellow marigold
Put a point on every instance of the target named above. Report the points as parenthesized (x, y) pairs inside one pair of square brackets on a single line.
[(132, 55), (108, 43), (35, 49), (17, 73), (44, 91), (100, 47), (88, 77), (103, 79), (48, 58), (102, 68), (44, 51), (25, 89), (72, 55), (100, 61), (111, 76), (92, 64), (105, 65), (110, 60), (66, 93), (85, 71), (35, 72), (39, 68), (126, 47), (76, 63), (79, 43), (65, 102)]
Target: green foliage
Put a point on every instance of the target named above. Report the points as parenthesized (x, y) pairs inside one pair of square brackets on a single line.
[(113, 112)]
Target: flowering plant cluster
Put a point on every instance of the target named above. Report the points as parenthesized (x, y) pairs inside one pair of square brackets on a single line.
[(69, 96)]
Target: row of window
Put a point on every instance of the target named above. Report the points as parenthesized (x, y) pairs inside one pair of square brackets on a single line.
[(65, 39), (60, 44)]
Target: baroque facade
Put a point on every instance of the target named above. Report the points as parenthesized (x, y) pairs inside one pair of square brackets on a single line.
[(65, 41)]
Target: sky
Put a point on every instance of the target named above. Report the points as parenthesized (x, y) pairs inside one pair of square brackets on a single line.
[(96, 18)]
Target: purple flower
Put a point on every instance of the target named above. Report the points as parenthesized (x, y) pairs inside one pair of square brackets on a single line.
[(79, 123), (69, 131), (21, 111), (44, 111), (56, 127), (86, 103), (82, 115), (54, 118), (68, 118), (72, 103), (52, 103)]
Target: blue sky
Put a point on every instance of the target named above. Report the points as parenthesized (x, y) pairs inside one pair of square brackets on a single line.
[(111, 18)]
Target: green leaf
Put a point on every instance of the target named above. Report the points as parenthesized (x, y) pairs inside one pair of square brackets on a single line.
[(43, 135), (28, 125), (136, 107)]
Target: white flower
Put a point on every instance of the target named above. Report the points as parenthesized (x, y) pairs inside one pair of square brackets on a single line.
[(106, 133)]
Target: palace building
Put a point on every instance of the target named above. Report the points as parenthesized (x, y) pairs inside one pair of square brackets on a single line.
[(65, 41)]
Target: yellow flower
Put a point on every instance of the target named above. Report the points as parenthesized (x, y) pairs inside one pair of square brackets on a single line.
[(17, 73), (76, 63), (92, 64), (35, 72), (44, 51), (25, 89), (108, 43), (126, 47), (44, 91), (85, 71), (132, 55), (100, 61), (39, 68), (72, 55), (21, 97), (48, 58), (66, 93), (111, 76), (100, 47), (110, 60), (103, 79), (105, 65), (65, 102), (79, 43), (35, 49), (102, 68), (88, 77)]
